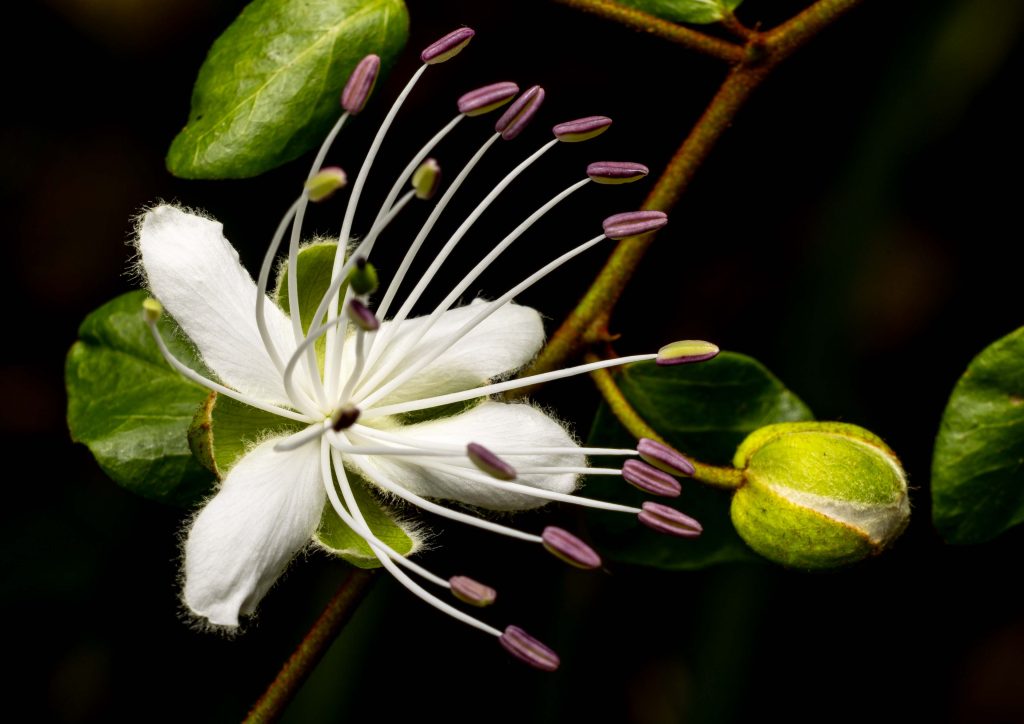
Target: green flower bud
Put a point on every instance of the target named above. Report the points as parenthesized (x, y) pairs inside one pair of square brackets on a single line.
[(818, 494)]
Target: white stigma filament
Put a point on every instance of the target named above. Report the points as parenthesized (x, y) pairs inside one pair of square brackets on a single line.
[(333, 357), (386, 555), (209, 384)]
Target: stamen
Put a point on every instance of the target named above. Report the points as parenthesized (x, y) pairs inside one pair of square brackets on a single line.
[(261, 286), (489, 462), (428, 225), (357, 522), (634, 223), (450, 449), (360, 84), (524, 489), (294, 442), (520, 113), (487, 98), (466, 225), (528, 649), (493, 389), (413, 164), (362, 317), (616, 172), (323, 185), (152, 310), (363, 277), (333, 356), (151, 315), (446, 512), (664, 457), (668, 520), (447, 47), (582, 129), (650, 480), (564, 545), (686, 351), (427, 179), (384, 555), (472, 592), (382, 372), (445, 344)]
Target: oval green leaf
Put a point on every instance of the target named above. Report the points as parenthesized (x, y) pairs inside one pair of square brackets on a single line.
[(686, 11), (268, 90), (130, 407), (978, 467), (705, 410)]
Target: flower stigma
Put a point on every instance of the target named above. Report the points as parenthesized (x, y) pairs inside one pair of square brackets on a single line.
[(365, 389)]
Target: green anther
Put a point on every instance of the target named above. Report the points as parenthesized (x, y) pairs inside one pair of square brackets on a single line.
[(152, 310), (363, 277)]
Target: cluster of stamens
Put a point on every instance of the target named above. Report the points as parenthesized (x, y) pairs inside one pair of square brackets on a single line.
[(340, 396)]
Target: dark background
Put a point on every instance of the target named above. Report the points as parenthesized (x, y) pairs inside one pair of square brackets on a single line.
[(855, 231)]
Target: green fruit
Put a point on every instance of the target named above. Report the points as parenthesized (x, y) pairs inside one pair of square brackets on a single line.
[(818, 494)]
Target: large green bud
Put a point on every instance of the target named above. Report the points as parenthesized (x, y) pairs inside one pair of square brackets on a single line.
[(818, 494)]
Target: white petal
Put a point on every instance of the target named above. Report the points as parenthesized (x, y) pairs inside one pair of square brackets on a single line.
[(195, 273), (499, 345), (494, 425), (242, 540)]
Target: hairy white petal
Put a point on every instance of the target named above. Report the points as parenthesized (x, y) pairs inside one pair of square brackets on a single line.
[(492, 424), (242, 540), (501, 344), (195, 273)]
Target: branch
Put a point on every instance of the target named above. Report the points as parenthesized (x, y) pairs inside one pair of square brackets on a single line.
[(647, 23), (291, 677)]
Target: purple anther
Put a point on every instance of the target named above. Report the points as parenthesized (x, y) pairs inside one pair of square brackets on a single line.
[(487, 98), (668, 520), (633, 223), (447, 47), (360, 84), (520, 113), (664, 457), (582, 129), (362, 316), (489, 462), (528, 649), (569, 548), (650, 480), (616, 172), (686, 351), (344, 417), (472, 592)]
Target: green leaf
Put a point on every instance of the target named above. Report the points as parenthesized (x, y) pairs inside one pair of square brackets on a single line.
[(686, 11), (978, 468), (130, 407), (268, 90), (338, 539), (705, 410)]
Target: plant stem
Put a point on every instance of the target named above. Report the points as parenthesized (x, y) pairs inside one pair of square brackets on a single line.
[(271, 705), (587, 323), (645, 22), (720, 477)]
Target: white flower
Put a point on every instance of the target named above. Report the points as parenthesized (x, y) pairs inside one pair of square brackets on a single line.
[(492, 455)]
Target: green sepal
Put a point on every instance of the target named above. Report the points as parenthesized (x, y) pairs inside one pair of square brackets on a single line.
[(762, 437), (336, 538), (223, 430), (316, 261), (978, 466), (700, 12), (268, 90), (706, 410), (130, 408)]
